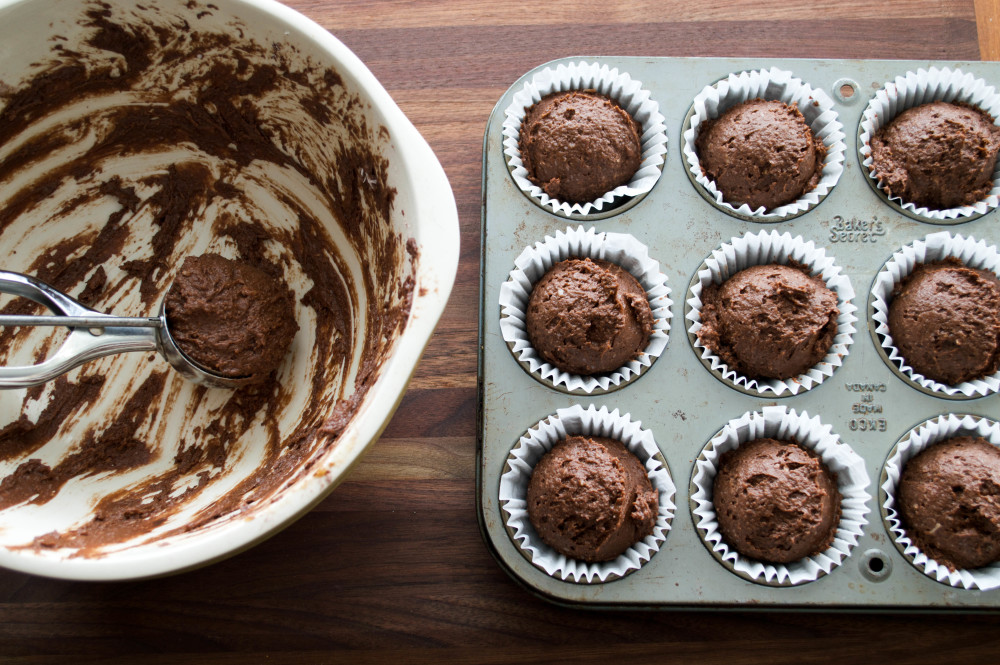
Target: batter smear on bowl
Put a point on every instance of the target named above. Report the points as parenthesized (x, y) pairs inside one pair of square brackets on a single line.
[(147, 136)]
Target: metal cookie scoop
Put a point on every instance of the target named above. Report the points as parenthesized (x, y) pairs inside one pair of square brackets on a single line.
[(95, 335)]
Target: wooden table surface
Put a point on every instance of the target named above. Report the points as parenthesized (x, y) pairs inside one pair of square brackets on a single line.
[(392, 567)]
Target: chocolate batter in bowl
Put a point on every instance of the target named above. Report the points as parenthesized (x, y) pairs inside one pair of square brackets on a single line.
[(131, 138)]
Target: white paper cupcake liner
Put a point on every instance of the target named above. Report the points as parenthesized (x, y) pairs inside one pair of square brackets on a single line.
[(618, 248), (777, 422), (913, 443), (619, 86), (760, 249), (934, 247), (774, 85), (914, 89), (539, 440)]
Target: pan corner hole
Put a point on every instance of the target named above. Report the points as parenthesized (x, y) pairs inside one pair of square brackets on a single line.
[(875, 565), (846, 91)]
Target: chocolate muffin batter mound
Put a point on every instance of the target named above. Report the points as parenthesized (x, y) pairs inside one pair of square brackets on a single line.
[(938, 155), (591, 499), (230, 317), (949, 501), (175, 153), (761, 153), (776, 501), (945, 320), (770, 321), (588, 316), (577, 146)]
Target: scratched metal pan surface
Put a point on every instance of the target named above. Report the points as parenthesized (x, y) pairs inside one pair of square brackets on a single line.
[(684, 404)]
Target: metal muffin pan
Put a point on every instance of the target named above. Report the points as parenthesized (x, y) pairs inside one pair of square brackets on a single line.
[(679, 399)]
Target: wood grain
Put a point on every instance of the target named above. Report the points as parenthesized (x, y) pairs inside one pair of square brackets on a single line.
[(988, 24), (392, 567)]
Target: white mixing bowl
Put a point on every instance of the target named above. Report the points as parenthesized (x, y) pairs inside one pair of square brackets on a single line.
[(131, 137)]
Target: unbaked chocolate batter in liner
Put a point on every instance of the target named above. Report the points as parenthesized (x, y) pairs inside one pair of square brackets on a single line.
[(155, 138)]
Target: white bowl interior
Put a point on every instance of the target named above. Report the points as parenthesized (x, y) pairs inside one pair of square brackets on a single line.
[(122, 469)]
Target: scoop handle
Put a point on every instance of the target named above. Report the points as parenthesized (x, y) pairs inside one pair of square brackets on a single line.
[(83, 343)]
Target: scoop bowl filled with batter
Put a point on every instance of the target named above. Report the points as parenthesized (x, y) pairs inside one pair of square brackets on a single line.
[(135, 136)]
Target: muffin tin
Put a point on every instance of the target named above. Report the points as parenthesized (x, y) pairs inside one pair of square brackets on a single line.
[(684, 404)]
